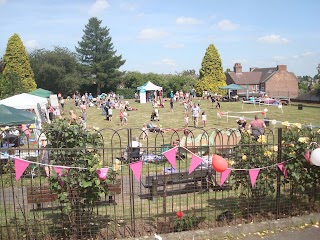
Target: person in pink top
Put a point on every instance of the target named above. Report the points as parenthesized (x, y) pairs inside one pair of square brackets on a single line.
[(26, 131), (257, 126)]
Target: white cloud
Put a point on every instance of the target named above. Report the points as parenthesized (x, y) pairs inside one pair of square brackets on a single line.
[(31, 44), (2, 2), (129, 6), (307, 53), (227, 25), (304, 54), (152, 34), (273, 38), (98, 7), (188, 20), (240, 60), (166, 61), (278, 58), (174, 45)]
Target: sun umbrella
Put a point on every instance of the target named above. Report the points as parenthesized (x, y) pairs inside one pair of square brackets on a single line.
[(232, 87)]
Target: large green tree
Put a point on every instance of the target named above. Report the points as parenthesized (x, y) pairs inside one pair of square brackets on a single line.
[(98, 57), (175, 82), (17, 73), (212, 76), (304, 83), (316, 88), (56, 70)]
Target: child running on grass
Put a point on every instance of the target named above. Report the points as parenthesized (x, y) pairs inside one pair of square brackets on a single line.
[(110, 114), (121, 117), (125, 117), (186, 120), (171, 104), (204, 119)]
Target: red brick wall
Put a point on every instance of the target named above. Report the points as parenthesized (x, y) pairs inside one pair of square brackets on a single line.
[(282, 83)]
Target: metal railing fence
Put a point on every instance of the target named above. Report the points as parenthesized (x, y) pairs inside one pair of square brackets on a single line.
[(164, 200)]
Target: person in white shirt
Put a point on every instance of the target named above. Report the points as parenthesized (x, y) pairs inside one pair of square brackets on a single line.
[(133, 151), (83, 99), (110, 114), (195, 110), (16, 132), (135, 143), (204, 119)]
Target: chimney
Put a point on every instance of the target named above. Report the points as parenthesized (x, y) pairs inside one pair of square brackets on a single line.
[(237, 68), (252, 68), (281, 67)]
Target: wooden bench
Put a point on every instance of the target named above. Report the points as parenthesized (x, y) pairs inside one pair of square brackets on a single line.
[(153, 182), (42, 194), (113, 190), (39, 195)]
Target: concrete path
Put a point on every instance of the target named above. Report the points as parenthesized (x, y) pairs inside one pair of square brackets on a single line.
[(296, 228), (308, 233)]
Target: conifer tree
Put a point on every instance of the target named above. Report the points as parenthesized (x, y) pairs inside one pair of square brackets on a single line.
[(212, 76), (17, 73), (97, 55)]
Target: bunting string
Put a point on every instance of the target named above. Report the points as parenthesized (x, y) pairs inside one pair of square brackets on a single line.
[(123, 165)]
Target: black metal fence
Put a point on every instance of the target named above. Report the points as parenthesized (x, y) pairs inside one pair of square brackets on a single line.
[(165, 199)]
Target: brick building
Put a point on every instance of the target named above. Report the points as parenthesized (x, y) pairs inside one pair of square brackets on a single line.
[(275, 82)]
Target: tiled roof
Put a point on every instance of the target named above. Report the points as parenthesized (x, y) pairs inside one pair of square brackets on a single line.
[(266, 73), (245, 77), (256, 76)]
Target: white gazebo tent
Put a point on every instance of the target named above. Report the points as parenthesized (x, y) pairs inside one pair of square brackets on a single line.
[(28, 101), (149, 86)]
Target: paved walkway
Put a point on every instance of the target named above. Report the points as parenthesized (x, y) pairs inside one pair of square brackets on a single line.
[(296, 228), (307, 233)]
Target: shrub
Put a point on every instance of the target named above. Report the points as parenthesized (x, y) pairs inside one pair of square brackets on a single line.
[(127, 93), (80, 187), (296, 142)]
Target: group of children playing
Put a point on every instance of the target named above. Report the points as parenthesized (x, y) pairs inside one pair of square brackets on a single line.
[(203, 119), (123, 115)]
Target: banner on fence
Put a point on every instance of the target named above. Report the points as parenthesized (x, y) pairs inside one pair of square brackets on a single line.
[(136, 167)]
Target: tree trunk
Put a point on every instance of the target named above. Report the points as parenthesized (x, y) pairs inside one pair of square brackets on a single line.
[(98, 88)]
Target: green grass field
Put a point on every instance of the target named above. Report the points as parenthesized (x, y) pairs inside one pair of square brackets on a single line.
[(175, 119)]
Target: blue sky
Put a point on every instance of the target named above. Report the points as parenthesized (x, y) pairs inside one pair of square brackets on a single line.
[(169, 36)]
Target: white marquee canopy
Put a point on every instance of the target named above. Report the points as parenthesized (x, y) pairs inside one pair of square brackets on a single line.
[(148, 86)]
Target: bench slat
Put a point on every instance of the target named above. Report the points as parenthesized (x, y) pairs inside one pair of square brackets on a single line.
[(43, 194), (40, 195), (176, 178), (114, 188)]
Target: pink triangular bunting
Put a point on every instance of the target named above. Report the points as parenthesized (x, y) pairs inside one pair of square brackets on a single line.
[(59, 170), (171, 156), (136, 169), (253, 175), (283, 170), (20, 166), (195, 162), (102, 173), (224, 175)]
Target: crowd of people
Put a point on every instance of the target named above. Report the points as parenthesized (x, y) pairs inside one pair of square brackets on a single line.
[(107, 103)]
